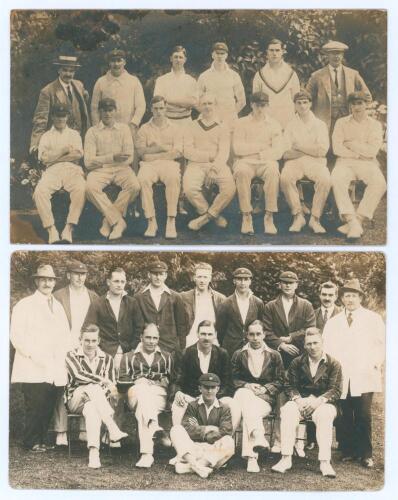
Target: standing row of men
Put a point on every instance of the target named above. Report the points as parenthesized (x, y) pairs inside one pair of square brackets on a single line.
[(151, 363), (277, 104)]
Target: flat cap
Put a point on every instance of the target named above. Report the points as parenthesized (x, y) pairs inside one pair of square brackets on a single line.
[(333, 46), (352, 285), (60, 109), (358, 96), (221, 46), (157, 266), (288, 277), (76, 266), (242, 272), (209, 379), (116, 54), (303, 94), (259, 97), (71, 61), (45, 271), (107, 103)]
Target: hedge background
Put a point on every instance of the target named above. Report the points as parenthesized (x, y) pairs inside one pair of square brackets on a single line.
[(148, 36)]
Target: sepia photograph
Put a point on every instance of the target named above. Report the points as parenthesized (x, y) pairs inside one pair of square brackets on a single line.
[(239, 371), (114, 114)]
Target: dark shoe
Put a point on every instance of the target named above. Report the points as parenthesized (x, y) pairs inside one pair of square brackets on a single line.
[(368, 463), (161, 437), (37, 448)]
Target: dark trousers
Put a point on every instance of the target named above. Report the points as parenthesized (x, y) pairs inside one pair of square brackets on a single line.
[(356, 425), (40, 401)]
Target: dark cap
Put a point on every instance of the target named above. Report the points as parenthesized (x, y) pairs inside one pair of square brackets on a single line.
[(303, 94), (288, 277), (157, 266), (107, 103), (358, 96), (333, 46), (209, 379), (76, 266), (259, 98), (221, 46), (116, 54), (60, 109), (242, 272), (352, 285)]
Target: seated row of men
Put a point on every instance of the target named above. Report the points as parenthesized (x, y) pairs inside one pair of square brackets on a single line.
[(44, 327), (257, 145)]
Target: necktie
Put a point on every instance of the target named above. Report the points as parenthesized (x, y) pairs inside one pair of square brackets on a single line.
[(325, 316), (50, 304), (336, 80), (349, 319), (70, 94)]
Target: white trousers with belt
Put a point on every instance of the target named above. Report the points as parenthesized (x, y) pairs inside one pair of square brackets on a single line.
[(216, 454), (64, 175), (347, 170), (147, 400), (323, 418)]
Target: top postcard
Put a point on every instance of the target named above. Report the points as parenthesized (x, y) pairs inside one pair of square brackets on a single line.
[(231, 127)]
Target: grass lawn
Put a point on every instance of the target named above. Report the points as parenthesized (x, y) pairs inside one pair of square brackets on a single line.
[(54, 470)]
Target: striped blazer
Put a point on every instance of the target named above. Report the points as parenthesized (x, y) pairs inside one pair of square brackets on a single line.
[(81, 373), (134, 366)]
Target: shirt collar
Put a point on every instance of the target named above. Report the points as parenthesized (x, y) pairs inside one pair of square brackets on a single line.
[(216, 403), (216, 119), (65, 85), (247, 298), (116, 125), (166, 124), (108, 295), (353, 313), (53, 129), (263, 348), (43, 298), (311, 120), (328, 309), (139, 349), (123, 75), (163, 288), (226, 67), (331, 69), (322, 358), (99, 353)]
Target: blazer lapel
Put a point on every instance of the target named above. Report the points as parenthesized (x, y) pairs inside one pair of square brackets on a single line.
[(326, 82), (213, 360), (110, 310), (251, 313), (202, 413), (349, 81), (322, 367), (60, 94), (67, 307), (163, 300), (236, 309), (280, 310), (266, 362), (293, 313)]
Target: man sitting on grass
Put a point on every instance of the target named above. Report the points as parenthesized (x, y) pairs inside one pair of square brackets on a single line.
[(203, 441), (313, 387), (91, 389)]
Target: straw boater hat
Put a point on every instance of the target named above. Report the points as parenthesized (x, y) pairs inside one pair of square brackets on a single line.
[(67, 61)]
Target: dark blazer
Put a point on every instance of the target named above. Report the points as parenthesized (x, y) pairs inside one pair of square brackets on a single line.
[(114, 332), (319, 318), (187, 380), (171, 319), (272, 374), (230, 328), (63, 296), (319, 87), (54, 93), (189, 303), (219, 417), (301, 317), (327, 382)]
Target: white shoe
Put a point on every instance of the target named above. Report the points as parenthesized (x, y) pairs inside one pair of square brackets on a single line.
[(67, 233), (61, 439), (152, 228), (201, 470), (105, 229), (260, 443), (247, 224), (305, 209), (114, 444), (199, 222), (82, 436), (298, 223), (118, 229), (171, 232), (146, 461), (299, 449), (284, 464), (327, 470), (269, 226), (174, 460), (355, 229), (94, 459), (276, 448), (53, 235), (252, 465), (316, 226), (117, 436), (182, 468), (343, 229), (181, 207), (221, 222)]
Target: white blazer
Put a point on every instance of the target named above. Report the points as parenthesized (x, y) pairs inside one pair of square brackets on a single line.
[(41, 339), (359, 348)]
